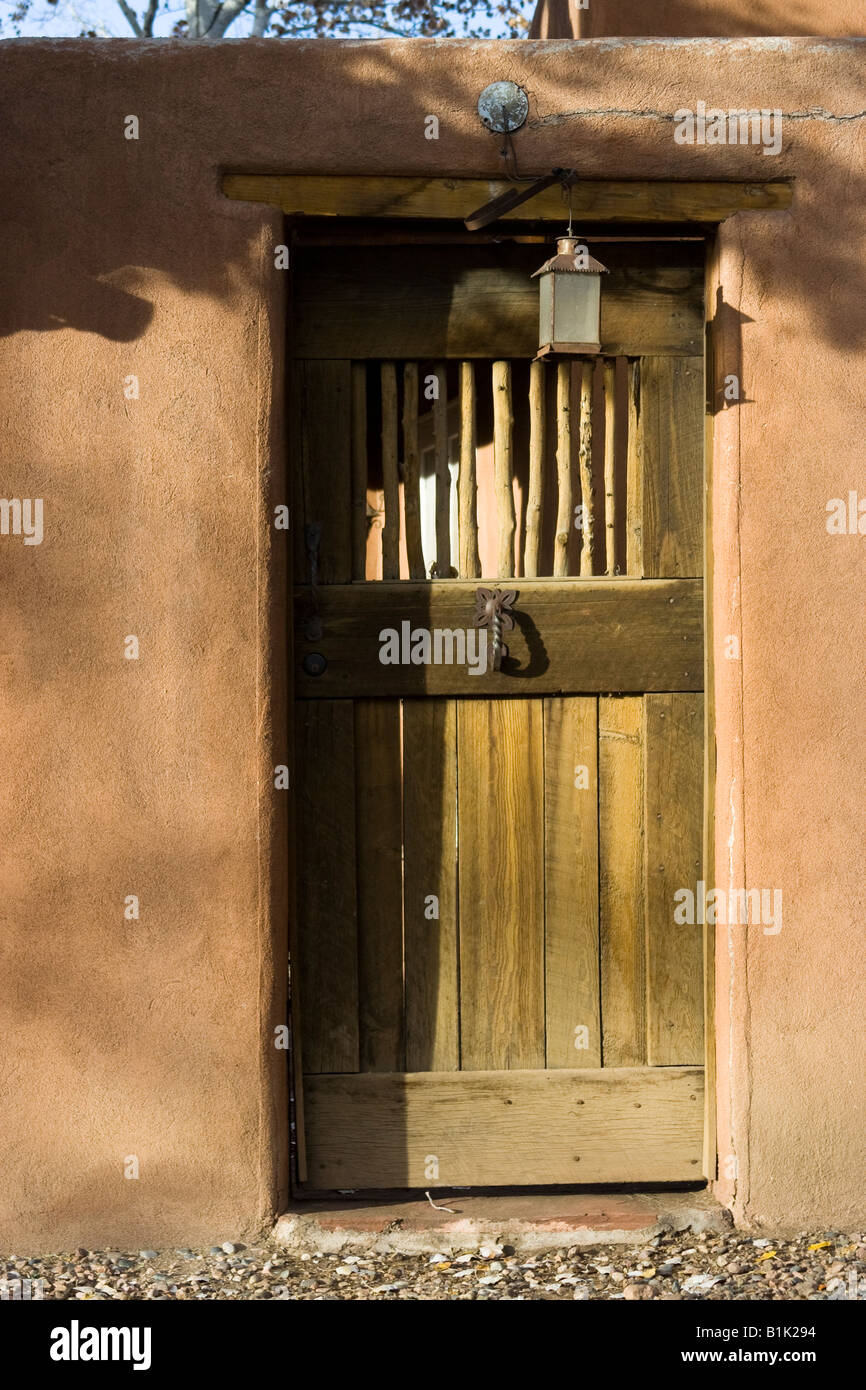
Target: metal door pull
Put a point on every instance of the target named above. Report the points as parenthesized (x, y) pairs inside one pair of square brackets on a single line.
[(493, 611)]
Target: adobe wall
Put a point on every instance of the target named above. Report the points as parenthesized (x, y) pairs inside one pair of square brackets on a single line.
[(153, 777), (720, 18)]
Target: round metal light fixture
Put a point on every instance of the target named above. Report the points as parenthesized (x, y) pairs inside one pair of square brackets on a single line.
[(503, 107)]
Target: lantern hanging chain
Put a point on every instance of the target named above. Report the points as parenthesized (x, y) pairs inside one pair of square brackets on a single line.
[(568, 187)]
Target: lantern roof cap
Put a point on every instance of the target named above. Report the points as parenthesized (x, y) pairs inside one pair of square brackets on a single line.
[(566, 260)]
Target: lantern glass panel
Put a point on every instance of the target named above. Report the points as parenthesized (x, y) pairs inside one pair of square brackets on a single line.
[(577, 300), (545, 310)]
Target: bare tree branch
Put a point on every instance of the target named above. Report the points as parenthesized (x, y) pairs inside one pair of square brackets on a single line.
[(211, 19), (261, 19), (199, 17), (132, 17), (223, 17)]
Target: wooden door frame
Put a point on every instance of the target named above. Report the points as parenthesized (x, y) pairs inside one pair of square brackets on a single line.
[(696, 205)]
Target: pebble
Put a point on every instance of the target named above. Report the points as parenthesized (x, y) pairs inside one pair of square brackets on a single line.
[(728, 1265)]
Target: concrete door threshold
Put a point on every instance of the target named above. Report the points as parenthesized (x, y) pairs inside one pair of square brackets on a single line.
[(528, 1221)]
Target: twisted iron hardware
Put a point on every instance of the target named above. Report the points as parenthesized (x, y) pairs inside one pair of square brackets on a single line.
[(493, 611)]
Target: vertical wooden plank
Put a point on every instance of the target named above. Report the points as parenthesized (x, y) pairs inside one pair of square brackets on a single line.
[(587, 534), (295, 464), (571, 940), (674, 828), (443, 474), (412, 472), (326, 896), (710, 1164), (379, 838), (634, 476), (610, 466), (467, 500), (283, 688), (430, 873), (359, 469), (563, 469), (621, 861), (672, 445), (503, 466), (390, 475), (537, 421), (323, 415), (501, 885)]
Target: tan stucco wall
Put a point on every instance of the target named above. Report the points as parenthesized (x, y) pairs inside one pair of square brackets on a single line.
[(720, 18), (153, 777)]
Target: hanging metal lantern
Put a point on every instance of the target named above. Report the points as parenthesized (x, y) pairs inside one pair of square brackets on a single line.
[(569, 300)]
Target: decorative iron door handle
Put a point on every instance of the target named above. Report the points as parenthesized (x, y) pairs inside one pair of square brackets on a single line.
[(493, 611)]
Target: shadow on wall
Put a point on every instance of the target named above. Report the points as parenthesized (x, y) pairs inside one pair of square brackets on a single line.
[(85, 256)]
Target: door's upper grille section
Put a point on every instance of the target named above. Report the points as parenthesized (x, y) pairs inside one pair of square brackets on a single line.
[(502, 469)]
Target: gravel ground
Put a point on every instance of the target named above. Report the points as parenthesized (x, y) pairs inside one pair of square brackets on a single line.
[(822, 1265)]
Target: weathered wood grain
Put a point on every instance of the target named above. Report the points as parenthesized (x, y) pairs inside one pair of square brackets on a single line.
[(599, 200), (491, 1128), (571, 942), (621, 745), (501, 883), (609, 376), (359, 470), (672, 456), (379, 848), (587, 500), (390, 474), (503, 465), (467, 486), (412, 472), (563, 469), (537, 445), (430, 884), (634, 476), (366, 302), (322, 416), (571, 636), (326, 892), (443, 473), (674, 827)]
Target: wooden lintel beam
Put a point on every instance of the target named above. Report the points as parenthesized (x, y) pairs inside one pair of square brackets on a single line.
[(593, 200)]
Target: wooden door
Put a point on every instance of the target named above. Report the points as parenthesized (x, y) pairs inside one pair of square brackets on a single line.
[(493, 987)]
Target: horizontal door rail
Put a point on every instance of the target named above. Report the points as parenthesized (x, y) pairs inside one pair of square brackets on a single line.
[(429, 1129), (570, 636)]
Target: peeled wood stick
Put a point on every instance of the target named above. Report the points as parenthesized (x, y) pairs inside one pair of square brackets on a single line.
[(634, 476), (563, 468), (467, 498), (359, 470), (609, 465), (412, 472), (390, 475), (536, 466), (443, 475), (585, 456), (503, 420)]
